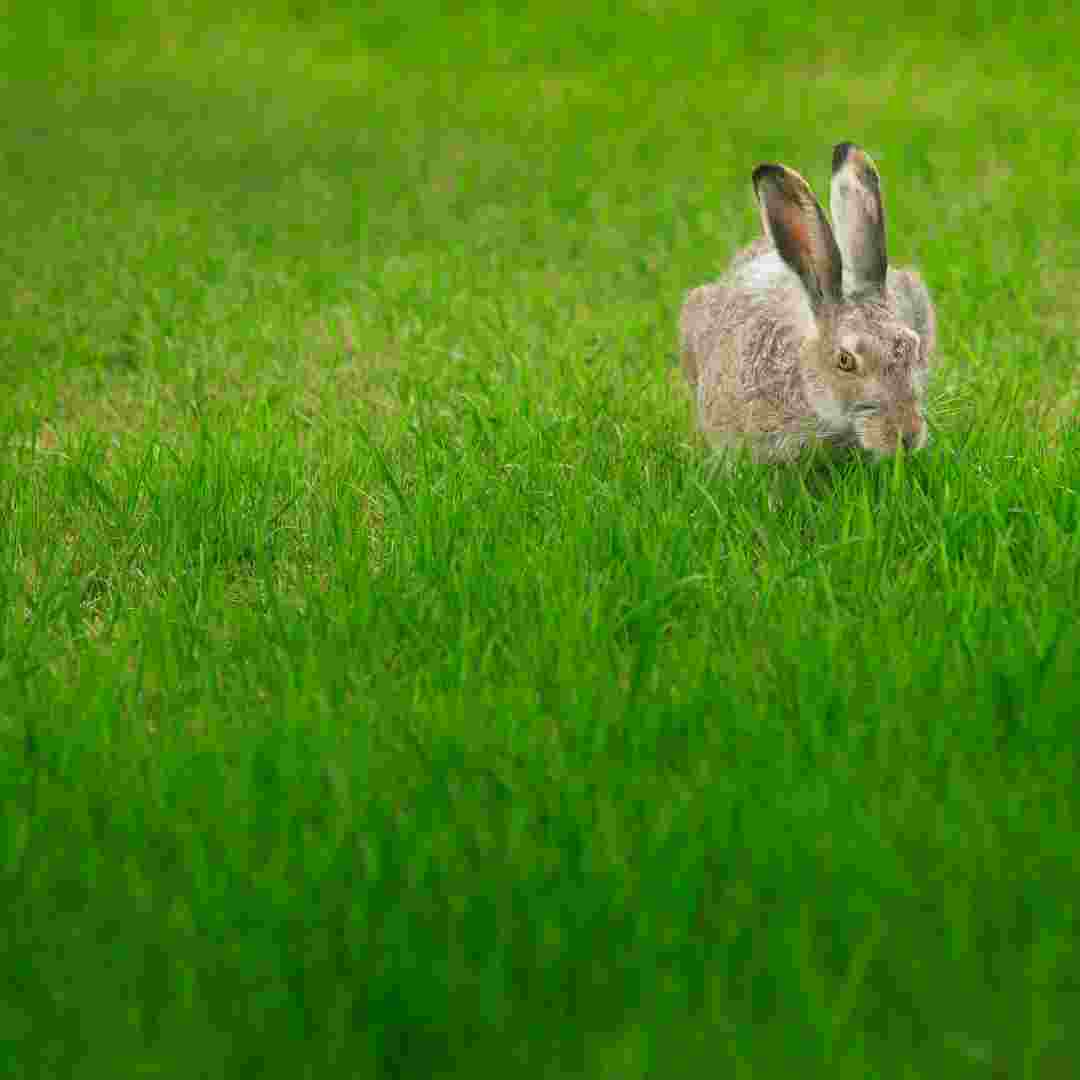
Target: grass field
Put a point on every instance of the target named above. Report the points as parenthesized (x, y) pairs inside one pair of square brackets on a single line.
[(389, 686)]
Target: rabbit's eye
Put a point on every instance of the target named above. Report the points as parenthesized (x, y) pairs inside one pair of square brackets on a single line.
[(845, 361)]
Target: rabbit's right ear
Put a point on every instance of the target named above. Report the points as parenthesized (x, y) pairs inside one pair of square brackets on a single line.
[(796, 224), (859, 217)]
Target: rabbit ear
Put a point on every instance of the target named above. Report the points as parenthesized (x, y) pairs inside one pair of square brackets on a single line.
[(796, 224), (859, 217)]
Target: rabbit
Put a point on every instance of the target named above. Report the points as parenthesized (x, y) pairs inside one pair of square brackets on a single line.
[(810, 338)]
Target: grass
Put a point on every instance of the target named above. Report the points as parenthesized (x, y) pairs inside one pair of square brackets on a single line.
[(390, 685)]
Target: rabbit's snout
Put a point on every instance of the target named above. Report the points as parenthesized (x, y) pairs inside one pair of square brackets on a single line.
[(882, 432), (910, 439), (910, 428)]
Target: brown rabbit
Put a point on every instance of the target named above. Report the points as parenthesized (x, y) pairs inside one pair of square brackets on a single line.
[(809, 337)]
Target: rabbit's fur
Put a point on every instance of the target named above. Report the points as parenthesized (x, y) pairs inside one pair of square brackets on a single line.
[(810, 337)]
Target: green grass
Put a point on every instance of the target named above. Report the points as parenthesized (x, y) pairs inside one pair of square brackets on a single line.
[(389, 683)]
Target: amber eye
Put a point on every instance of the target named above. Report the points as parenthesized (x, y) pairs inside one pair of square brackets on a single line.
[(845, 361)]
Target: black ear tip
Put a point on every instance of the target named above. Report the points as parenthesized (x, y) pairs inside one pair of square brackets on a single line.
[(767, 171), (840, 154)]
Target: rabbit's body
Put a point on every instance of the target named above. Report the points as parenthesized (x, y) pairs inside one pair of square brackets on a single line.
[(760, 346)]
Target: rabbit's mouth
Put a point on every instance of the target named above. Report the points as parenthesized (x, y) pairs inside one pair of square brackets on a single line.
[(882, 435)]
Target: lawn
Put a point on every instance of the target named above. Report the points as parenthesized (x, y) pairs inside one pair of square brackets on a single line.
[(391, 684)]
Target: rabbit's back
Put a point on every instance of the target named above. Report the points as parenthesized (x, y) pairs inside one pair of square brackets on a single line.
[(741, 337)]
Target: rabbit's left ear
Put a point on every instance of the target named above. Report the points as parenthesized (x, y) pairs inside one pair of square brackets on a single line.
[(796, 224), (858, 218)]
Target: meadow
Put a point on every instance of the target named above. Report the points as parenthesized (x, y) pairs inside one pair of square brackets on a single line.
[(391, 685)]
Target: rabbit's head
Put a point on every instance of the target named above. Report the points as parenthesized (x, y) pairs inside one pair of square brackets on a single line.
[(864, 373)]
